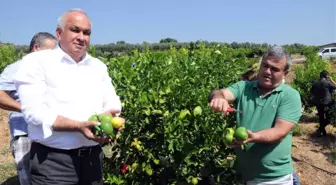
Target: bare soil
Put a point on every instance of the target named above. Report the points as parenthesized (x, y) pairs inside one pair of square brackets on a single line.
[(314, 157), (7, 167)]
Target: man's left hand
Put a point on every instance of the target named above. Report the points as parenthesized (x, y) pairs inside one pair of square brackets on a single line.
[(252, 137)]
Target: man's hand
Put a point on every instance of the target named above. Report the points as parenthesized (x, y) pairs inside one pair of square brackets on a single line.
[(252, 137), (219, 104), (85, 128), (271, 135), (219, 100), (330, 79), (8, 103), (113, 112)]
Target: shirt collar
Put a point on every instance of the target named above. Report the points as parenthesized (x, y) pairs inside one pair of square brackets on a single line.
[(68, 57)]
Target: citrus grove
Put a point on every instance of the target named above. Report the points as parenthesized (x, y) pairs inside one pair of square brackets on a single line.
[(170, 134)]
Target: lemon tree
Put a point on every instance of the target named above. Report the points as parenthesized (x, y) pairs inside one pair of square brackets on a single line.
[(171, 135)]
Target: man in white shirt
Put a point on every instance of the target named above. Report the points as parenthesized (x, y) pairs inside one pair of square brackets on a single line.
[(59, 90), (9, 100)]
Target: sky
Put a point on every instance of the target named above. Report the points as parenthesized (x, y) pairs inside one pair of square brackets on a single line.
[(310, 22)]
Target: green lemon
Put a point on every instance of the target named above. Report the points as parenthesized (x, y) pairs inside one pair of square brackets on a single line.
[(194, 180), (93, 118), (228, 138), (107, 128), (197, 111), (229, 131), (241, 134), (105, 118)]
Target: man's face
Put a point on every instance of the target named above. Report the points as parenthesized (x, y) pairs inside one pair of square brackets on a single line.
[(272, 72), (74, 39), (47, 44)]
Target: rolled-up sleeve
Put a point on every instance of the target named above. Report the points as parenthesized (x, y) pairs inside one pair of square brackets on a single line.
[(111, 99), (31, 87)]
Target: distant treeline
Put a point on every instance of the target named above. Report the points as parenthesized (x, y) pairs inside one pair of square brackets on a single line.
[(122, 48)]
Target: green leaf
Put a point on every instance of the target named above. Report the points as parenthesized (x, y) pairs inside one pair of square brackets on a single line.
[(147, 112), (157, 112), (149, 170), (168, 90), (184, 113), (166, 114), (162, 101), (171, 146), (156, 161)]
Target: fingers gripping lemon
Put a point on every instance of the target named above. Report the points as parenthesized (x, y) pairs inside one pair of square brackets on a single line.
[(109, 125), (239, 134)]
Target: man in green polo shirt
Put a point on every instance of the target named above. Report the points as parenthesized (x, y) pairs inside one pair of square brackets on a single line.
[(270, 111)]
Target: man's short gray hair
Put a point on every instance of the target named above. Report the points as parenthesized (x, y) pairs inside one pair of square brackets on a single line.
[(39, 39), (61, 19), (279, 52)]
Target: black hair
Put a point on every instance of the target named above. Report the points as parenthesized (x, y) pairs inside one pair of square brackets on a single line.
[(324, 74), (39, 39)]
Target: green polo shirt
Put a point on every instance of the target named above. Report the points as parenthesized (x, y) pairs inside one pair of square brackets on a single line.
[(265, 161)]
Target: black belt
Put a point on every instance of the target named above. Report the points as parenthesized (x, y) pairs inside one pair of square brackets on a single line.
[(81, 152)]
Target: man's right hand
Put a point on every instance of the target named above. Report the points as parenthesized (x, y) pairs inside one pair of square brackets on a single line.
[(85, 127), (219, 105)]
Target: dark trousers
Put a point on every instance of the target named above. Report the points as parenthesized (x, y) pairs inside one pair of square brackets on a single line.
[(66, 167), (324, 117)]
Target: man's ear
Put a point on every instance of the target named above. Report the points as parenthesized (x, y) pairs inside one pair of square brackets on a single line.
[(58, 33), (35, 47), (286, 72)]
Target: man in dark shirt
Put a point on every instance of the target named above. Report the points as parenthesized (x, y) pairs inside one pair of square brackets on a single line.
[(322, 98)]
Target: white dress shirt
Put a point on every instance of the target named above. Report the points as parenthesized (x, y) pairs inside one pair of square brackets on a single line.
[(51, 83)]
